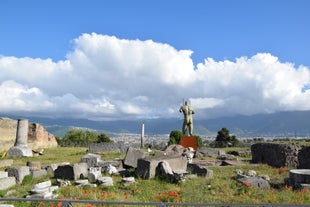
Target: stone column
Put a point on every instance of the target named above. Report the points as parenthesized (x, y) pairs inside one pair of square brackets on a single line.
[(20, 147), (142, 135)]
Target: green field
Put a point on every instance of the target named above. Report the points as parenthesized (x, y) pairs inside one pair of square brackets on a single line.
[(222, 188)]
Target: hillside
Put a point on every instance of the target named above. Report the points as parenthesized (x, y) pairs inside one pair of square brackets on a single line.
[(284, 124)]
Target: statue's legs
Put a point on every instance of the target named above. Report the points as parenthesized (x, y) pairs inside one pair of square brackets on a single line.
[(190, 128), (184, 128)]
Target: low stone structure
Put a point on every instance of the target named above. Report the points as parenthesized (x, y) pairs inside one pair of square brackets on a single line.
[(18, 172), (36, 137), (276, 155), (132, 157), (72, 172), (299, 179), (146, 168), (303, 158), (6, 181)]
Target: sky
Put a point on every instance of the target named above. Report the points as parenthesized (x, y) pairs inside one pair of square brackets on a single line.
[(137, 59)]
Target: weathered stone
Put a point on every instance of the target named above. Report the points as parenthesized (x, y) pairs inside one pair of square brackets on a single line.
[(6, 205), (4, 174), (94, 173), (147, 167), (38, 173), (276, 155), (7, 182), (207, 151), (6, 163), (110, 169), (132, 157), (81, 182), (18, 172), (34, 165), (38, 137), (298, 177), (51, 168), (72, 172), (91, 160), (199, 170), (255, 182), (105, 181), (20, 148), (174, 149), (117, 163), (232, 163), (303, 158), (128, 180)]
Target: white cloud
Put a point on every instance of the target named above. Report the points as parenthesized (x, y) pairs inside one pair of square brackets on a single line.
[(106, 77)]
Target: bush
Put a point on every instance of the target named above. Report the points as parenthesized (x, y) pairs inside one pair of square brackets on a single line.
[(223, 139), (82, 138)]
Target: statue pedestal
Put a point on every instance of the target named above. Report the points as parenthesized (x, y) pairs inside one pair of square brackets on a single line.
[(189, 141)]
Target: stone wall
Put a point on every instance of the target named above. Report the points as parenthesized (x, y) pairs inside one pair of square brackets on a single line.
[(38, 137), (276, 155), (304, 158)]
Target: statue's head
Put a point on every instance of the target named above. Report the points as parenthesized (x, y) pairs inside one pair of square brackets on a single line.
[(186, 103)]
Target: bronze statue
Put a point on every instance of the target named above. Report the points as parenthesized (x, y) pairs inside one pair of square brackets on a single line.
[(188, 118)]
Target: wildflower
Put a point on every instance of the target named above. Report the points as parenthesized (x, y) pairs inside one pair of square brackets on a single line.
[(59, 204), (89, 205)]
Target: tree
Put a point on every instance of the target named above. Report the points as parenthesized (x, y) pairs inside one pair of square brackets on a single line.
[(223, 139), (175, 136), (82, 138), (103, 138)]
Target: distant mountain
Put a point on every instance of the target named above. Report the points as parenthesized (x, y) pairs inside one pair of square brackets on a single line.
[(285, 124)]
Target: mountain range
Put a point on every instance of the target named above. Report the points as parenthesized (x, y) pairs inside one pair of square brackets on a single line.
[(280, 124)]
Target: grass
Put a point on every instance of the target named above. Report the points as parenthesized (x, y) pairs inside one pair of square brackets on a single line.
[(222, 188)]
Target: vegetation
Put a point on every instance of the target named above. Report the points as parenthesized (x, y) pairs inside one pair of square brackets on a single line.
[(82, 138), (223, 139), (222, 188)]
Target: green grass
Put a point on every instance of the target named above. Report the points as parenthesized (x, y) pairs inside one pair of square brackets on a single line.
[(222, 188)]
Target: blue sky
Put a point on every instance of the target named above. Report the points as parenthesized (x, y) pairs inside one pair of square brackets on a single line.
[(243, 57)]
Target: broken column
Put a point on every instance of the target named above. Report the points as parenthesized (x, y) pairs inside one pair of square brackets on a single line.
[(20, 147)]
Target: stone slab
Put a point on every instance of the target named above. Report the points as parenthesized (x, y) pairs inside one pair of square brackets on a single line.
[(6, 163), (147, 167), (7, 182), (18, 172)]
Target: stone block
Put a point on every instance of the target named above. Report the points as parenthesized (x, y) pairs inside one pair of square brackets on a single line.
[(6, 163), (6, 205), (199, 170), (275, 155), (4, 174), (132, 156), (146, 168), (18, 172), (7, 182), (303, 158), (91, 159), (34, 165), (19, 151), (38, 173), (71, 172)]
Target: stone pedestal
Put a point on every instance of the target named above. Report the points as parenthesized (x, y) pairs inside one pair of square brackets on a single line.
[(189, 141), (20, 148)]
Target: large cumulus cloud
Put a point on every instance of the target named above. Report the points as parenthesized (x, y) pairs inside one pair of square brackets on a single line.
[(104, 77)]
